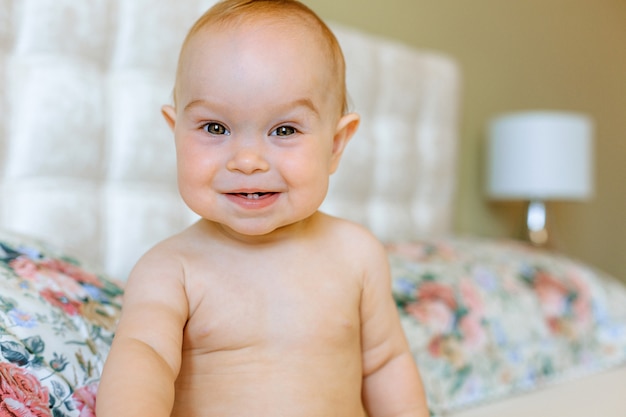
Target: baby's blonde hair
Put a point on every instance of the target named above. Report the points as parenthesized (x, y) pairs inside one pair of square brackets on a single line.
[(237, 12)]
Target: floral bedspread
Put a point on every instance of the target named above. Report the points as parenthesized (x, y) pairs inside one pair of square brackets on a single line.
[(488, 318), (485, 319), (56, 327)]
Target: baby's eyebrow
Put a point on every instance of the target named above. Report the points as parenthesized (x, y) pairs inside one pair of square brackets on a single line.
[(304, 102), (303, 107), (301, 102), (196, 103)]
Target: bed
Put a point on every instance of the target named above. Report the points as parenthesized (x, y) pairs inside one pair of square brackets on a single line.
[(87, 184)]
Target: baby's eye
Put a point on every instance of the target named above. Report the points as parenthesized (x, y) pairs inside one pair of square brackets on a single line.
[(284, 131), (216, 129)]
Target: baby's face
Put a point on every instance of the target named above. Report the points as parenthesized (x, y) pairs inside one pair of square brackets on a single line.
[(256, 118)]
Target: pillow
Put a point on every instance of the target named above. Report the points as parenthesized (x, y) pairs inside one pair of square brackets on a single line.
[(486, 318), (56, 326)]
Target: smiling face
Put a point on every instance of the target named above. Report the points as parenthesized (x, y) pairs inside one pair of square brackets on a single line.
[(258, 124)]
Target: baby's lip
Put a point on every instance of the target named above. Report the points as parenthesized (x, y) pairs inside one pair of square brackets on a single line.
[(255, 200), (254, 195)]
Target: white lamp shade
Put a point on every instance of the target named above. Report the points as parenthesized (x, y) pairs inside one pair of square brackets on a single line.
[(540, 156)]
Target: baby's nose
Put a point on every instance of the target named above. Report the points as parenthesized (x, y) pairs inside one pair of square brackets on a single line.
[(248, 158)]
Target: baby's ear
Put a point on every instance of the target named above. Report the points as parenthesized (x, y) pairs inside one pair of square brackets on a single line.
[(346, 128), (169, 113)]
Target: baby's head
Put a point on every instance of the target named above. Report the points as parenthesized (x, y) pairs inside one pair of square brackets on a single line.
[(260, 119), (233, 14)]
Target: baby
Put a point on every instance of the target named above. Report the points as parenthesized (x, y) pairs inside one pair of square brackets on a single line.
[(265, 306)]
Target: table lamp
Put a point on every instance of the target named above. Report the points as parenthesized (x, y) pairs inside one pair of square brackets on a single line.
[(539, 156)]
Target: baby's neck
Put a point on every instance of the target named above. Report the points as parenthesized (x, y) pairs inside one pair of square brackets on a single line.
[(277, 236)]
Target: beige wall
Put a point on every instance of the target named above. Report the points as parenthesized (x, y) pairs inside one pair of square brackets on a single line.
[(519, 55)]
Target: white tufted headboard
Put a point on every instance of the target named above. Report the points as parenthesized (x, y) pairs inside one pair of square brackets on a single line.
[(86, 161)]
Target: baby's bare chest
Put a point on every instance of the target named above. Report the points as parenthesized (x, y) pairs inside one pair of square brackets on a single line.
[(279, 335), (274, 309)]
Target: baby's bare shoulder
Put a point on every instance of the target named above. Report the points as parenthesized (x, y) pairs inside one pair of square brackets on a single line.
[(356, 237), (165, 263), (176, 248)]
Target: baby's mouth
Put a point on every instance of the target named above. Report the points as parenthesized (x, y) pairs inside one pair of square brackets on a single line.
[(253, 196), (253, 199)]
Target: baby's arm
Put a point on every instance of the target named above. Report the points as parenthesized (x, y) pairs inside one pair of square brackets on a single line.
[(392, 386), (139, 375)]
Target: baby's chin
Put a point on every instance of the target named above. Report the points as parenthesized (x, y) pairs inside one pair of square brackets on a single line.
[(255, 232)]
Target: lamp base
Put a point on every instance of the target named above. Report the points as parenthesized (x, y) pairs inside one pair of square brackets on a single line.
[(537, 224)]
